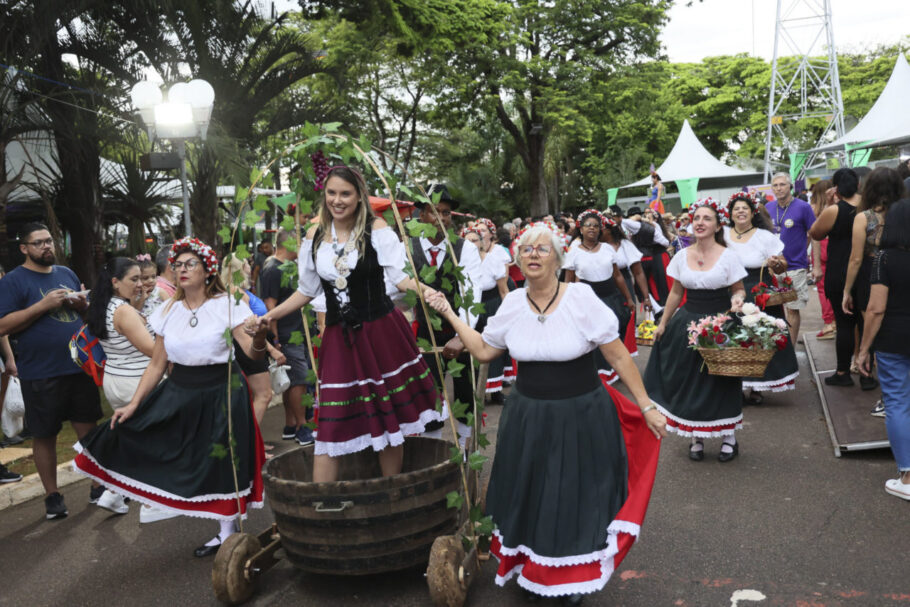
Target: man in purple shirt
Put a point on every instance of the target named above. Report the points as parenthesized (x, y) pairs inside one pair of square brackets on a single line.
[(792, 218)]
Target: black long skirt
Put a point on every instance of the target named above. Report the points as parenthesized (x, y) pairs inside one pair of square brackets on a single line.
[(783, 369), (608, 292), (677, 380)]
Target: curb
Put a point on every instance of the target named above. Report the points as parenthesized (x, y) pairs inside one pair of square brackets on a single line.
[(30, 487)]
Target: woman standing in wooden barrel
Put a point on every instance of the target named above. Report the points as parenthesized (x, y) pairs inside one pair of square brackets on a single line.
[(375, 387), (575, 460)]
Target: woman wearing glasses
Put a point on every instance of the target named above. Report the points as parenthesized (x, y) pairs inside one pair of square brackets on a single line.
[(575, 460), (169, 447), (594, 263)]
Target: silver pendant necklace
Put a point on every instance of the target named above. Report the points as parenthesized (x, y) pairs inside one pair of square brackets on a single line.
[(542, 314), (194, 321)]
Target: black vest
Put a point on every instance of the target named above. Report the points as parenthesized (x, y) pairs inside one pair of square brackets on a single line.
[(366, 290), (644, 240), (420, 261)]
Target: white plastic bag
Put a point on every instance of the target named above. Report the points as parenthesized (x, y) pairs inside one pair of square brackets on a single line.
[(279, 376), (13, 408)]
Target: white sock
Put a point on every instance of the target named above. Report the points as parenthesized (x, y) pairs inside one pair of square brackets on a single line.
[(727, 445), (697, 445), (227, 529)]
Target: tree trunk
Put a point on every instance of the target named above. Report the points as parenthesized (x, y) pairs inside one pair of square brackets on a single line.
[(537, 179), (204, 198)]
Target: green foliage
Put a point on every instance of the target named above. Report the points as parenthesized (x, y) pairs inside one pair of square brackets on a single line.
[(296, 339), (454, 500), (454, 367)]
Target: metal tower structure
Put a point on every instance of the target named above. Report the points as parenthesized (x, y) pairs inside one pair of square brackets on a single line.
[(810, 87)]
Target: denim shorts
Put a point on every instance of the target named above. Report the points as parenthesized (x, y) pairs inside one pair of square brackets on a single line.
[(299, 361)]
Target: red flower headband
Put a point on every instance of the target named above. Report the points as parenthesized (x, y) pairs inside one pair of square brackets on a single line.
[(550, 226), (722, 214), (490, 225), (752, 198), (202, 250), (466, 229)]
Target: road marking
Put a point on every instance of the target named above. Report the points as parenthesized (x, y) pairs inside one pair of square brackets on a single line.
[(746, 595)]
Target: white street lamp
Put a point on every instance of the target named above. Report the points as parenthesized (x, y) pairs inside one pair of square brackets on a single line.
[(185, 115)]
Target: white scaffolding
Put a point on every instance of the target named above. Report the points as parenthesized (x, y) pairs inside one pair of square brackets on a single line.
[(804, 30)]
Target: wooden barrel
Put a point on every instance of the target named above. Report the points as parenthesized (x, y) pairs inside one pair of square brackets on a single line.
[(363, 523)]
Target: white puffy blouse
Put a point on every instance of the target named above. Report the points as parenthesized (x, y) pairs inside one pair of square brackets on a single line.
[(754, 252), (389, 252), (593, 266), (727, 270), (203, 344), (626, 254), (580, 323)]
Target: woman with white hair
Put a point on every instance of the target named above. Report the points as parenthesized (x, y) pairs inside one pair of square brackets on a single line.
[(575, 460)]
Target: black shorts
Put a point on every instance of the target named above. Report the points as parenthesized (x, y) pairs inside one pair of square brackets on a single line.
[(248, 365), (49, 402)]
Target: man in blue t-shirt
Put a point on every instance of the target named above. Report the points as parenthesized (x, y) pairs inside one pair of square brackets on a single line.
[(40, 306), (792, 218)]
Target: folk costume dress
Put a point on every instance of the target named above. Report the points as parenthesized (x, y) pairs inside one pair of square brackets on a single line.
[(172, 452), (676, 378), (626, 255), (575, 461), (375, 387), (783, 369), (492, 268), (595, 268), (650, 240)]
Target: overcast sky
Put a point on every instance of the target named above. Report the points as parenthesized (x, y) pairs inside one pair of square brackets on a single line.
[(727, 27)]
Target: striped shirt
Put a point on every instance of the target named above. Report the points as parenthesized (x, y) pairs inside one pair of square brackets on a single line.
[(123, 359)]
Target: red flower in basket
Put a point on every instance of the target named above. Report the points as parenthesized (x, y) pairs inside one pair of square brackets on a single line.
[(761, 300), (774, 280), (746, 344), (781, 342)]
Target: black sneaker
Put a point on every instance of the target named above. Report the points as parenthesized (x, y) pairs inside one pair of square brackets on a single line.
[(289, 433), (878, 410), (95, 494), (839, 380), (54, 506), (11, 440), (867, 383), (8, 477)]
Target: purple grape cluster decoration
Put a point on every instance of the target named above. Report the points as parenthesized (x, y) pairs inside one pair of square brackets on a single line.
[(321, 168)]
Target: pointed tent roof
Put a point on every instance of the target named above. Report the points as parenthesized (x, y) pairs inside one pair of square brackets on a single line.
[(689, 159), (887, 121)]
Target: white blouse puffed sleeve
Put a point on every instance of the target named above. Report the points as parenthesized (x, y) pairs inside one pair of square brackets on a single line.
[(633, 255), (771, 245), (596, 322), (308, 282), (390, 254), (239, 311), (499, 262), (499, 324), (676, 265), (732, 265), (571, 257)]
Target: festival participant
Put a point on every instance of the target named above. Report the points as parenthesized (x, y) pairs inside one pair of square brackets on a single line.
[(756, 246), (40, 303), (493, 284), (696, 403), (166, 278), (433, 252), (256, 371), (836, 224), (819, 199), (628, 260), (568, 490), (649, 235), (375, 387), (170, 446), (594, 263), (656, 195), (147, 299), (888, 333), (792, 218)]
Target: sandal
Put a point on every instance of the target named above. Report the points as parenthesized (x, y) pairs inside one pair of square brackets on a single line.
[(697, 456), (754, 398)]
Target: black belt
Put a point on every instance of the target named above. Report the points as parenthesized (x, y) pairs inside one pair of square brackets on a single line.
[(602, 288), (707, 301), (198, 376), (555, 380), (490, 294)]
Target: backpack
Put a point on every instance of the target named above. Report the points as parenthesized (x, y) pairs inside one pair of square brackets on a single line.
[(87, 354)]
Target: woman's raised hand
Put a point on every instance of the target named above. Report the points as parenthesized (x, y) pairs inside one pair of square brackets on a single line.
[(438, 302)]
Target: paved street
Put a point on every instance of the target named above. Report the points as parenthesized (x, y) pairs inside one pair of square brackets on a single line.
[(786, 523)]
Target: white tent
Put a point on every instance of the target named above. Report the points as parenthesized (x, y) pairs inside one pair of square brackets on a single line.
[(689, 159), (887, 122)]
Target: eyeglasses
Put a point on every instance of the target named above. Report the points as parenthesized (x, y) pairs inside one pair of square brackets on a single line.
[(47, 242), (542, 249), (191, 264), (590, 225)]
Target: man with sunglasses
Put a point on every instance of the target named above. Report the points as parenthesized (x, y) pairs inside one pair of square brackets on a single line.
[(40, 307)]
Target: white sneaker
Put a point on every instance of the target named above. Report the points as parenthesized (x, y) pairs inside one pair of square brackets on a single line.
[(153, 514), (896, 488), (113, 502)]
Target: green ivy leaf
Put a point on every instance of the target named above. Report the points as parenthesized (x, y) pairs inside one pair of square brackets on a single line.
[(261, 203), (251, 218), (287, 222), (282, 202), (317, 341), (235, 381), (455, 368), (238, 295), (446, 285), (255, 174), (485, 528), (241, 252), (308, 400), (454, 500), (455, 455), (219, 451), (427, 274), (424, 344), (410, 298), (476, 460), (296, 338), (237, 278), (482, 441), (228, 337), (459, 408), (224, 234), (310, 377), (240, 194), (435, 321)]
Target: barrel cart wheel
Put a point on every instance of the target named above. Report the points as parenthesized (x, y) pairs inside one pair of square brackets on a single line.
[(446, 556)]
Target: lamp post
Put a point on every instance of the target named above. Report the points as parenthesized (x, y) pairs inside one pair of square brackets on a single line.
[(185, 115)]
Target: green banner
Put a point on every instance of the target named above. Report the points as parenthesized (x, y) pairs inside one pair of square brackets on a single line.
[(858, 157), (688, 191), (611, 196), (797, 160)]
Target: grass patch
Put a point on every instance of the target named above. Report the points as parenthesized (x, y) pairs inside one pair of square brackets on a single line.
[(65, 441)]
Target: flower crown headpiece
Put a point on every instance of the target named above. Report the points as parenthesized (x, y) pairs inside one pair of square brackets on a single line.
[(721, 211), (466, 229), (194, 245), (593, 213), (550, 226), (752, 198), (490, 225), (143, 257)]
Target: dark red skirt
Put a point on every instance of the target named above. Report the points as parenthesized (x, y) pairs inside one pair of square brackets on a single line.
[(375, 391)]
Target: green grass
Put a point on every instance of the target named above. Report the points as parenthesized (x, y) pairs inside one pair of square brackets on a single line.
[(65, 441)]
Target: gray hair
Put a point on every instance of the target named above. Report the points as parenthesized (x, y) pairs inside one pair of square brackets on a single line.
[(533, 234), (161, 258), (784, 175)]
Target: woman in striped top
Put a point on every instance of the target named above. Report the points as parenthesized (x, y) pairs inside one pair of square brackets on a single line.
[(124, 334)]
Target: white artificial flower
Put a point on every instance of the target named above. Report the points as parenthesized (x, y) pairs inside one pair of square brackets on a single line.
[(781, 324), (750, 308), (750, 320)]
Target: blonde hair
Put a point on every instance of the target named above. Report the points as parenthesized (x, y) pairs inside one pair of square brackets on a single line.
[(363, 216), (533, 235), (229, 265)]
